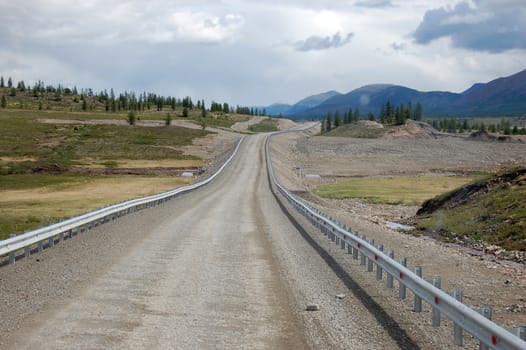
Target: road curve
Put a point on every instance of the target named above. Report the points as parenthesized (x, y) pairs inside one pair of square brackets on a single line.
[(222, 267)]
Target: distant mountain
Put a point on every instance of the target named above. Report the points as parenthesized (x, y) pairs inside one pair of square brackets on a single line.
[(277, 109), (300, 106), (370, 98), (472, 88), (312, 102), (500, 97)]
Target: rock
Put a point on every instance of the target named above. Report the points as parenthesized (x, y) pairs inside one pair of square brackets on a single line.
[(340, 296), (313, 307)]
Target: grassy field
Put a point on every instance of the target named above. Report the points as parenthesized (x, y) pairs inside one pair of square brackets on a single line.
[(40, 162), (30, 201), (26, 144), (266, 125), (395, 190)]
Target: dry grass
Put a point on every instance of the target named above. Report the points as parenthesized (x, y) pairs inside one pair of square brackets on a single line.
[(144, 163), (29, 208)]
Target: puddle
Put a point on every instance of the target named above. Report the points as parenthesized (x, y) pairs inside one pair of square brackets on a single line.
[(397, 226)]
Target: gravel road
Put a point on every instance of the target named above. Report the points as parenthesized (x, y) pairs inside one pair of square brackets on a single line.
[(222, 267)]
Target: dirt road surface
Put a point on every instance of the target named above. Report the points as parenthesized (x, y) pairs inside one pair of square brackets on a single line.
[(222, 267)]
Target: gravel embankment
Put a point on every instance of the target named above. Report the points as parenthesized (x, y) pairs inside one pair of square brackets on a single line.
[(484, 282)]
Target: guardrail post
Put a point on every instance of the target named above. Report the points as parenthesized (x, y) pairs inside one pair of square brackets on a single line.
[(70, 233), (27, 251), (12, 256), (370, 263), (389, 276), (355, 253), (436, 281), (342, 242), (40, 246), (402, 288), (61, 237), (457, 330), (379, 270), (486, 312), (418, 301), (51, 242), (518, 331)]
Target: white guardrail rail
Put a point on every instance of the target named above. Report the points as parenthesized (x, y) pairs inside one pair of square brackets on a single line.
[(35, 239), (490, 335)]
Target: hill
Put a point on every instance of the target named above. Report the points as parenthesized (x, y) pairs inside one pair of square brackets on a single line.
[(307, 103), (497, 98), (491, 210)]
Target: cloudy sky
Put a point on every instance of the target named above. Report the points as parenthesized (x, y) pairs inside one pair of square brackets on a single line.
[(256, 52)]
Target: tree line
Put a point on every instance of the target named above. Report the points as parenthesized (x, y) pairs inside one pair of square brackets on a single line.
[(454, 126), (389, 114), (110, 101)]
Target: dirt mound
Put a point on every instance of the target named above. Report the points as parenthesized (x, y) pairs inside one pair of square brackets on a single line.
[(485, 136), (412, 130), (368, 124), (486, 213), (284, 124)]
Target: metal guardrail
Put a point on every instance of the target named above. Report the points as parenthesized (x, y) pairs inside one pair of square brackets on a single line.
[(490, 334), (85, 222)]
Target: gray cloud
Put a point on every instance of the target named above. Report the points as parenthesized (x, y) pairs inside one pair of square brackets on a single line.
[(398, 47), (485, 27), (315, 42), (374, 3)]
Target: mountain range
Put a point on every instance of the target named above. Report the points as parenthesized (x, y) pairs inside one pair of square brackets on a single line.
[(500, 97)]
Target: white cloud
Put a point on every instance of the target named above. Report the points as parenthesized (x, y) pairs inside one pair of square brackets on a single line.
[(239, 51)]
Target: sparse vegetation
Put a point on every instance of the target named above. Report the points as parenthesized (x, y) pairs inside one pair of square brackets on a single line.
[(493, 210), (266, 125), (393, 190), (132, 118), (357, 131)]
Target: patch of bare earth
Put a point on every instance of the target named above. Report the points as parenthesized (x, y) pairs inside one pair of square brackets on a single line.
[(484, 280)]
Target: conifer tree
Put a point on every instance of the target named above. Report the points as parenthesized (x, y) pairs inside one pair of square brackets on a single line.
[(337, 120), (3, 103)]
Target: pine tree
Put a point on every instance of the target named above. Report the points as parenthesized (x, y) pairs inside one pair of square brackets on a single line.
[(3, 103), (329, 122), (10, 83), (418, 112), (356, 115), (465, 125), (370, 116), (2, 82), (84, 105), (337, 120)]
